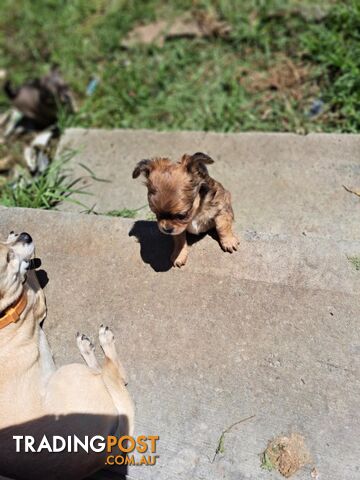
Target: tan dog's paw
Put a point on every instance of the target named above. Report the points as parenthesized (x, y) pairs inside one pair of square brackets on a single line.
[(106, 337), (229, 244), (87, 350), (84, 344), (179, 259), (107, 342)]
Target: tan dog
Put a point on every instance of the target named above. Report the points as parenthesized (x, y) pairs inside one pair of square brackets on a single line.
[(37, 399), (185, 198)]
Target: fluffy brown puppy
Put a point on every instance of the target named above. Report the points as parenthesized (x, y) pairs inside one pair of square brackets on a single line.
[(184, 198)]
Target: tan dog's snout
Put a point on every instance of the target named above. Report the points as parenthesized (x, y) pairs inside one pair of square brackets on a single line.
[(24, 238), (20, 250), (22, 244), (15, 255)]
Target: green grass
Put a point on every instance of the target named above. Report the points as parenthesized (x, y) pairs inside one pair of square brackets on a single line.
[(266, 463), (216, 84), (45, 191), (195, 84), (335, 47), (124, 213), (355, 262), (220, 448)]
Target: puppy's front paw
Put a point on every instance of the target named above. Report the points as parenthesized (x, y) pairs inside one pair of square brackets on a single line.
[(229, 244), (179, 259)]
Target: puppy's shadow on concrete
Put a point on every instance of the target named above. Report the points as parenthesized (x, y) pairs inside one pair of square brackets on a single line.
[(41, 275), (155, 247)]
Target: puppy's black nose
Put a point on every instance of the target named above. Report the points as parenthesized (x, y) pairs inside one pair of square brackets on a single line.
[(24, 237), (168, 229)]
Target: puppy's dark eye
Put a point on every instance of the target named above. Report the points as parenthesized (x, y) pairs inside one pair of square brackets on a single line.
[(181, 216)]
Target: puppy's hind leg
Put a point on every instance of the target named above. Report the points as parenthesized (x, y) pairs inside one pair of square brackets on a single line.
[(87, 351)]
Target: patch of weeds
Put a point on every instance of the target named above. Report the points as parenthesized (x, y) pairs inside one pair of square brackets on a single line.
[(266, 463), (334, 46), (151, 216), (125, 212), (355, 262), (92, 174), (221, 443), (45, 191)]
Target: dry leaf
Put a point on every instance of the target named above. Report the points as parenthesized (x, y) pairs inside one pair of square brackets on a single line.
[(146, 34), (283, 76), (211, 26), (6, 163), (189, 25), (184, 26)]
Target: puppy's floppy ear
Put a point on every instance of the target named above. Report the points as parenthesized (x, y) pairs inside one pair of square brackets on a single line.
[(144, 167), (197, 162), (201, 157)]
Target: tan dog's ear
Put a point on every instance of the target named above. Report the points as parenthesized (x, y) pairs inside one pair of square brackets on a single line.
[(197, 162), (144, 167)]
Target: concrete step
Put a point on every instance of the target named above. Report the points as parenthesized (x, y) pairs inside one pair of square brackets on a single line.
[(280, 183), (271, 331)]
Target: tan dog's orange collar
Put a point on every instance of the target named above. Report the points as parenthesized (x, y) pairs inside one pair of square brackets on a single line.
[(12, 313)]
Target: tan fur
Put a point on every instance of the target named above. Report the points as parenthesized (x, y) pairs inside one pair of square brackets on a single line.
[(185, 198), (37, 399)]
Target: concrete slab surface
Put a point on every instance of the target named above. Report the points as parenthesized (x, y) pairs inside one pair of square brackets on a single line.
[(280, 183), (271, 332)]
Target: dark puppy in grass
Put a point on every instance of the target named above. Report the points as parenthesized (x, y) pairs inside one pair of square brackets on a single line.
[(184, 198)]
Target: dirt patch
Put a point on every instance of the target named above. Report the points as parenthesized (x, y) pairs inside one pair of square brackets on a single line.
[(289, 83), (284, 76), (286, 454)]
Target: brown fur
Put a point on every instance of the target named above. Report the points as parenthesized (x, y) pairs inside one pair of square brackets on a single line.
[(184, 197)]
